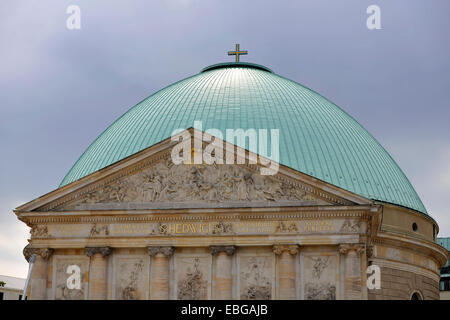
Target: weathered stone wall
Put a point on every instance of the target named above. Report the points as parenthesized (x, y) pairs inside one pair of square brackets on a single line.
[(400, 285)]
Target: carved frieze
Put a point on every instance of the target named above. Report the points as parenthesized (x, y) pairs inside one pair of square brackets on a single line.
[(351, 226), (166, 182), (39, 231), (96, 230), (286, 227)]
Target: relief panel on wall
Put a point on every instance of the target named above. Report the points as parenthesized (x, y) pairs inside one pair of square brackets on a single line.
[(193, 277), (70, 277), (256, 277), (131, 278), (319, 276)]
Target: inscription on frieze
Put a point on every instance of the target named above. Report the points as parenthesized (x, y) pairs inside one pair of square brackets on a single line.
[(180, 228)]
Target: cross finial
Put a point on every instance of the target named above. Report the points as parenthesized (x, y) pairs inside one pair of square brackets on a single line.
[(237, 53)]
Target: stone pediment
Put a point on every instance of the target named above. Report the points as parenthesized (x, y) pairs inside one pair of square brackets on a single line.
[(166, 185), (150, 180)]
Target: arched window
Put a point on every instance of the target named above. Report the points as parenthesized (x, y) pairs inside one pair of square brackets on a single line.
[(416, 296)]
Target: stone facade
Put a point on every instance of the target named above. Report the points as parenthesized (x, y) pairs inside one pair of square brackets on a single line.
[(400, 285), (146, 229)]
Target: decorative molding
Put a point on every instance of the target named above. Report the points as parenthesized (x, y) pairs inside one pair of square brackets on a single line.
[(291, 249), (104, 251), (229, 250), (313, 214), (397, 265), (423, 247), (44, 253), (167, 251)]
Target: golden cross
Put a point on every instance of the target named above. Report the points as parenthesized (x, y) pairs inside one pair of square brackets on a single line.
[(237, 52)]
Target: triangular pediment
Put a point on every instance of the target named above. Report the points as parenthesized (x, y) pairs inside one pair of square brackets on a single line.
[(150, 180)]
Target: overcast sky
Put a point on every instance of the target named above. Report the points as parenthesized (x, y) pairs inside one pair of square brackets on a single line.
[(60, 88)]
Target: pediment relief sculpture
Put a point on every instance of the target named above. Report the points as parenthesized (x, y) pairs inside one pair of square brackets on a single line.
[(166, 182)]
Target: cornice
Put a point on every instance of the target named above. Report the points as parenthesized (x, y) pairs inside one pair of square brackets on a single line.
[(34, 219), (424, 247)]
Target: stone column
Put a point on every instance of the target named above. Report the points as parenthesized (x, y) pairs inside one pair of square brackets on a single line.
[(286, 270), (98, 272), (160, 272), (224, 281), (38, 281), (352, 274)]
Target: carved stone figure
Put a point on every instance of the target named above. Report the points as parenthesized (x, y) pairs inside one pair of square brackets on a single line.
[(218, 183), (99, 231), (256, 284), (221, 228), (320, 291), (193, 286), (320, 263), (351, 226), (39, 231), (64, 293), (286, 227), (130, 289)]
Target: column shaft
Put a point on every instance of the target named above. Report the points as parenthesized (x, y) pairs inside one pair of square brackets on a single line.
[(287, 276), (37, 287), (160, 277), (98, 272), (286, 271), (160, 272), (224, 281), (38, 281), (352, 278), (97, 277)]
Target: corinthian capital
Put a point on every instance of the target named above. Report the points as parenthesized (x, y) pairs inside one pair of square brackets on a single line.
[(229, 250), (167, 251), (345, 248), (104, 251), (44, 253), (291, 249)]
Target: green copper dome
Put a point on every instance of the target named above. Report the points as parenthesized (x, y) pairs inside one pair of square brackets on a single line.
[(316, 136)]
